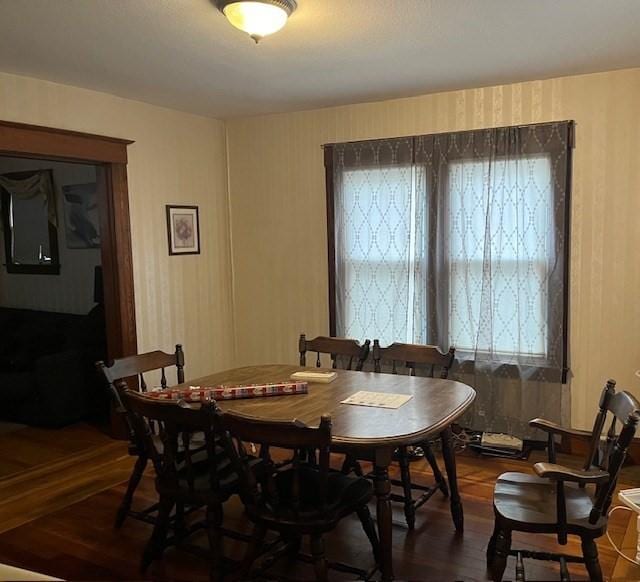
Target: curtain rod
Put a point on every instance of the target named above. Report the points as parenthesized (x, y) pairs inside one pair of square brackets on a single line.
[(571, 123)]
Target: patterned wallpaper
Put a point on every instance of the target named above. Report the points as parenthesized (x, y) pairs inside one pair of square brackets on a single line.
[(276, 286), (277, 196), (176, 158)]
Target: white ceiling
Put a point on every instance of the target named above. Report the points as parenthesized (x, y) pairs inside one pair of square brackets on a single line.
[(185, 55)]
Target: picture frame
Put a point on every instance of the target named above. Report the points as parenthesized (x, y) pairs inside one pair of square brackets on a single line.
[(81, 216), (183, 229)]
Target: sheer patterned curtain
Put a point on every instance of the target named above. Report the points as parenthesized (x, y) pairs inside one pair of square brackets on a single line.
[(461, 239), (375, 226)]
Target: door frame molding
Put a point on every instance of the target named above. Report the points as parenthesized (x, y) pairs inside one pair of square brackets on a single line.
[(110, 155)]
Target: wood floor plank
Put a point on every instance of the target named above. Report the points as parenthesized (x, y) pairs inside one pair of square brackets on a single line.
[(49, 487), (70, 534), (29, 447), (624, 570)]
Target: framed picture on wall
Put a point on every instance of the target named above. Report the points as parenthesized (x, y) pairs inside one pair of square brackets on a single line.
[(183, 228), (82, 222)]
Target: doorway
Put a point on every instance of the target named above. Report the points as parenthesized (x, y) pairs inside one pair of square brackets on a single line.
[(51, 294), (109, 157)]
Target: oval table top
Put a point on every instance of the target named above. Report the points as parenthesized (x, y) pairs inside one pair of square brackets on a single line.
[(436, 403)]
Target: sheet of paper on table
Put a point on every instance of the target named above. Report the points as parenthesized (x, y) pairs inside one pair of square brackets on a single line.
[(378, 399)]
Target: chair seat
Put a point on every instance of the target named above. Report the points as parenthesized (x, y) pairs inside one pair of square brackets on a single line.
[(528, 503), (197, 441), (200, 489), (345, 494)]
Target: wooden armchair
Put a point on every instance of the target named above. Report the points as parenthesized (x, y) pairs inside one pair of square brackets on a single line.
[(557, 500), (135, 367), (343, 352), (303, 497)]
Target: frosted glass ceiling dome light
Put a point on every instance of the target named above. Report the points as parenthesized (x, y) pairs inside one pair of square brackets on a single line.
[(258, 18)]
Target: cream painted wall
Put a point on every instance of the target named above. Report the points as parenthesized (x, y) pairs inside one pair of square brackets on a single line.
[(176, 158), (277, 197), (277, 207)]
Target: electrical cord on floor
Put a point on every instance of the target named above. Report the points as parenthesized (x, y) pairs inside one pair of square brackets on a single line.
[(613, 545), (462, 439)]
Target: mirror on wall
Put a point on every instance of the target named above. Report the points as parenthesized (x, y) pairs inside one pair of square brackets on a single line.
[(29, 222)]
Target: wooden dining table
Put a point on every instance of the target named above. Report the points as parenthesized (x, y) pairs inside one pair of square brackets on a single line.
[(434, 406)]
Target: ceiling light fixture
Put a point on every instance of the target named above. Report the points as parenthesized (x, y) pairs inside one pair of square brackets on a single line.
[(258, 18)]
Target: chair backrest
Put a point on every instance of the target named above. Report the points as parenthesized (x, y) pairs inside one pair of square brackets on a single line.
[(167, 429), (621, 408), (258, 488), (138, 365), (343, 352), (414, 357)]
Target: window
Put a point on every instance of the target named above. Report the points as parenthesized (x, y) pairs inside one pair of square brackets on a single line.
[(454, 239), (378, 215), (519, 250)]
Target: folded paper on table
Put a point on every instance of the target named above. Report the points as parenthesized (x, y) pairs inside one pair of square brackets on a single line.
[(378, 399), (320, 377), (236, 392)]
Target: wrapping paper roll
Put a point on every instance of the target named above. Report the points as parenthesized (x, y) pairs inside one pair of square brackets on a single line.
[(205, 393)]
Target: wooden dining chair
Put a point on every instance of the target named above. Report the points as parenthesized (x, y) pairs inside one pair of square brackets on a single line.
[(559, 500), (186, 475), (135, 368), (344, 353), (301, 498), (426, 361)]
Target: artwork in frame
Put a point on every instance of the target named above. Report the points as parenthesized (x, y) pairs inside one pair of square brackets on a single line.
[(82, 221), (183, 228)]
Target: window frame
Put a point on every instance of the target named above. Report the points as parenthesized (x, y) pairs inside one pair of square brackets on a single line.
[(534, 369)]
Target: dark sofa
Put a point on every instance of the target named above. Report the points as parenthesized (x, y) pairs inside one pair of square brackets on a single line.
[(47, 374)]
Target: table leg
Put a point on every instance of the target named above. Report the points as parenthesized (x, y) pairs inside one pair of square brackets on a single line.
[(450, 465), (383, 490)]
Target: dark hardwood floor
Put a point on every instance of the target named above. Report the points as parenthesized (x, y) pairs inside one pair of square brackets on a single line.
[(79, 542), (28, 447), (59, 468)]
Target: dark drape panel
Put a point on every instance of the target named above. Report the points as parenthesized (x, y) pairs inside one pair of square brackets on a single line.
[(461, 239)]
